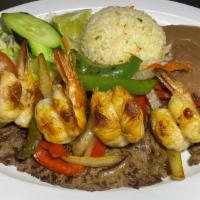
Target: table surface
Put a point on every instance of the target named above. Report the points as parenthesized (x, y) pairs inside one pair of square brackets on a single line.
[(10, 3)]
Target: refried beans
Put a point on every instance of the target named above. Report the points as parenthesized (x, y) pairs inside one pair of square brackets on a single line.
[(185, 42)]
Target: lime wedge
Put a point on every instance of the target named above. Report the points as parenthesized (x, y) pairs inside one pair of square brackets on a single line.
[(72, 24)]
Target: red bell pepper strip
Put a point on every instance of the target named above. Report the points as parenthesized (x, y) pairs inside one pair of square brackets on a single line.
[(43, 157), (8, 64), (197, 103), (56, 150), (98, 149), (142, 102)]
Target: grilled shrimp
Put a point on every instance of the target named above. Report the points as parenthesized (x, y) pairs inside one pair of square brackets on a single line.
[(64, 110), (166, 130), (10, 93), (116, 118), (74, 88), (182, 108), (30, 93), (164, 126)]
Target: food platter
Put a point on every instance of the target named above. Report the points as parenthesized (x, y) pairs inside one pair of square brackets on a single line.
[(16, 185)]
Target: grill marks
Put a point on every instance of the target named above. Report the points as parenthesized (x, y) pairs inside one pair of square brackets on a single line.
[(163, 128), (188, 113), (15, 94), (100, 119), (132, 109)]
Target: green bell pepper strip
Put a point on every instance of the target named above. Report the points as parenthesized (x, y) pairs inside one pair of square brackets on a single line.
[(32, 141), (137, 87), (125, 70)]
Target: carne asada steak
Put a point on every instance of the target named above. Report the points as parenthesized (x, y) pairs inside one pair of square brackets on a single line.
[(145, 164)]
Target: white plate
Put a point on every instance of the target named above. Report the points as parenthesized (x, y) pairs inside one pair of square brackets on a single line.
[(17, 185)]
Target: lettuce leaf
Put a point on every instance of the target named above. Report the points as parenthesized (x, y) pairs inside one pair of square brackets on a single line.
[(8, 45)]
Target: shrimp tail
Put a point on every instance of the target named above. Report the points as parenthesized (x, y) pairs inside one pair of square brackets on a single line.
[(23, 59), (172, 85), (74, 88), (59, 65), (64, 66)]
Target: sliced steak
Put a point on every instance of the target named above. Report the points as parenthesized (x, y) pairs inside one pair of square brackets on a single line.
[(145, 164), (195, 154)]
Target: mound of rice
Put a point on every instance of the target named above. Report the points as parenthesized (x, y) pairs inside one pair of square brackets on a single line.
[(113, 34)]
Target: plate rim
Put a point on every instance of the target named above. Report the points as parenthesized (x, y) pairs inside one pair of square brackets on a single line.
[(190, 12)]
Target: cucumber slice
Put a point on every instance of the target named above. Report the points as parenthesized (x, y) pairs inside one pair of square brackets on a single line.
[(36, 49), (32, 28), (72, 24)]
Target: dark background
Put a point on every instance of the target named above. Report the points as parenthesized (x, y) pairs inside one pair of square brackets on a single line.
[(9, 3)]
